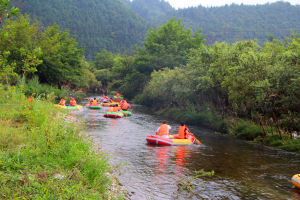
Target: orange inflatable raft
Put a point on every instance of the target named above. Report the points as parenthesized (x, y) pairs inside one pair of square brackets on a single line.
[(296, 180), (160, 140)]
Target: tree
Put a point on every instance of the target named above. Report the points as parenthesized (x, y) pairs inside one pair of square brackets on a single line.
[(5, 11), (168, 46), (62, 59), (6, 70)]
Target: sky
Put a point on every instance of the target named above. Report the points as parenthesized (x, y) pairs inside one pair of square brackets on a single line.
[(208, 3)]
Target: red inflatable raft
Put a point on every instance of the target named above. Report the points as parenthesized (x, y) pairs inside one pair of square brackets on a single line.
[(113, 115), (159, 140)]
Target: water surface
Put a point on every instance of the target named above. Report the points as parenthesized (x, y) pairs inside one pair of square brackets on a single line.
[(242, 170)]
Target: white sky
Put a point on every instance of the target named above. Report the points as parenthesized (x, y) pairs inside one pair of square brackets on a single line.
[(188, 3)]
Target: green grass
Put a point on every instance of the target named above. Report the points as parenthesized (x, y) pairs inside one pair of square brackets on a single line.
[(44, 157)]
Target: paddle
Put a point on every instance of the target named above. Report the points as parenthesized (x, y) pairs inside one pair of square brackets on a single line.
[(198, 142), (126, 115)]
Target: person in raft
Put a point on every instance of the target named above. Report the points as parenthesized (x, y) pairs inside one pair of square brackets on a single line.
[(183, 131), (125, 105), (105, 99), (116, 109), (111, 100), (73, 102), (94, 102), (62, 102), (164, 130)]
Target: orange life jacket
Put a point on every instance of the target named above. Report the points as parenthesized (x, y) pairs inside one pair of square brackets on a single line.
[(125, 106), (163, 130), (62, 102), (94, 103), (111, 101), (73, 102), (116, 109), (181, 132)]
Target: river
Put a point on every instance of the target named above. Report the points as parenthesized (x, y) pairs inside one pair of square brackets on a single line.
[(242, 170)]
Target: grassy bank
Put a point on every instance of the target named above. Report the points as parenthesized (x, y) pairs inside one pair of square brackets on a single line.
[(44, 157), (239, 128)]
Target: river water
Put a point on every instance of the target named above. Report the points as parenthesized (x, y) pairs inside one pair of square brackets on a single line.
[(242, 170)]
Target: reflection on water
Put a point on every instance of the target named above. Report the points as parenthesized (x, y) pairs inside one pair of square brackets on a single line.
[(242, 170)]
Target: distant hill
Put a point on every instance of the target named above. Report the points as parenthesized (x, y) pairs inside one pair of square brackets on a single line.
[(154, 11), (227, 23), (117, 25), (97, 24)]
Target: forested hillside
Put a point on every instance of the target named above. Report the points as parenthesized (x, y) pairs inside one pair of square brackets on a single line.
[(97, 24), (154, 11), (118, 26), (227, 23)]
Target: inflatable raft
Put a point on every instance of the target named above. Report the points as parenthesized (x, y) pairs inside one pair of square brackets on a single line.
[(296, 180), (110, 104), (127, 113), (68, 107), (113, 115), (160, 140), (97, 107)]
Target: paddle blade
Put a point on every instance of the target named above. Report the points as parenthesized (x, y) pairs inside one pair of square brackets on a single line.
[(198, 142)]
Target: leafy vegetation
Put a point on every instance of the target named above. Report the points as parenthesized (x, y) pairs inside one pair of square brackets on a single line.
[(245, 89), (96, 24), (5, 11), (118, 27), (51, 54), (42, 154), (230, 23)]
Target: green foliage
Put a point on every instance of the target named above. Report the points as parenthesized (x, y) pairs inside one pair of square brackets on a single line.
[(154, 11), (246, 130), (5, 11), (51, 54), (43, 156), (230, 23), (19, 37), (7, 73), (242, 80), (203, 118), (168, 46), (62, 60), (96, 24), (167, 87)]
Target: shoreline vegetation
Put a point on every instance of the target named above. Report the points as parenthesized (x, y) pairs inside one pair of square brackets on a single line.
[(44, 156), (244, 89), (236, 127)]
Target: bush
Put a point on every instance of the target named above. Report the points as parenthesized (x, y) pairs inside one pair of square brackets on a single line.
[(206, 119), (246, 130), (43, 91)]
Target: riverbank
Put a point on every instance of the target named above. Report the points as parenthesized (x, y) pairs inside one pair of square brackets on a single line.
[(43, 156), (235, 127)]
